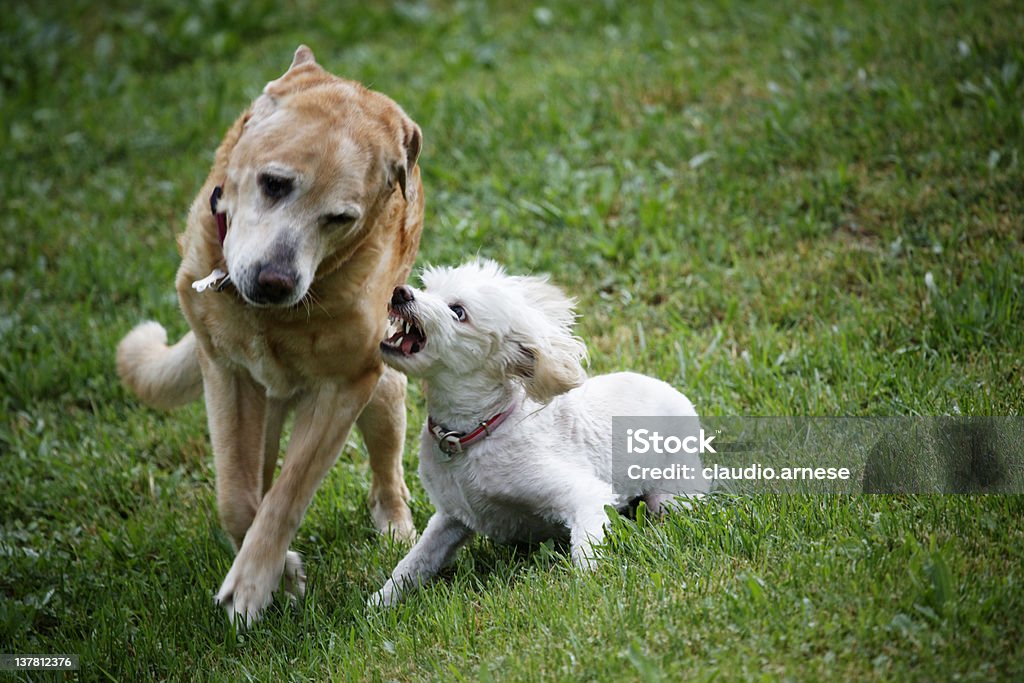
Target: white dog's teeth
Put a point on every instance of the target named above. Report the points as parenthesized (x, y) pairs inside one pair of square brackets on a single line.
[(408, 326)]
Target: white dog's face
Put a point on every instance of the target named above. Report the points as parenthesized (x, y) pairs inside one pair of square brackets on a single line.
[(476, 321)]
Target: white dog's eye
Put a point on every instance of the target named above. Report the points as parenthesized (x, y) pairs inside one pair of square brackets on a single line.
[(459, 312)]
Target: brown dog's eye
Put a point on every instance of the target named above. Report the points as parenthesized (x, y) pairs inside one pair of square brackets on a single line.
[(337, 220), (274, 187)]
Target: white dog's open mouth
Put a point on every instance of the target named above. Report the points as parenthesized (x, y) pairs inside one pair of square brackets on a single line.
[(404, 335)]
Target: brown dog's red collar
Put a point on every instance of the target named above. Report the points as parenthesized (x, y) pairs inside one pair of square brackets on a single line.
[(217, 279), (220, 216)]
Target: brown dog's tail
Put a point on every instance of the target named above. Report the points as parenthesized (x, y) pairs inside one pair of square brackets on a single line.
[(161, 376)]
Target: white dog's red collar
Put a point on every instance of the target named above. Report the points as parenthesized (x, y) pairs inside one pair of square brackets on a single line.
[(452, 443)]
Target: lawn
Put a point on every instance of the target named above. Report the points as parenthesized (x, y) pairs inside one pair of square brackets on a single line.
[(781, 208)]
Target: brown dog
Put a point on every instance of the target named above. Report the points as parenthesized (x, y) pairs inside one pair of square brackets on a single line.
[(310, 217)]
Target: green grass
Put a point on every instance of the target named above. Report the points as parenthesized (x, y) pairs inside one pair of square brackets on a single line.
[(745, 197)]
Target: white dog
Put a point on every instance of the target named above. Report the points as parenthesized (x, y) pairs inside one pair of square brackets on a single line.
[(518, 445)]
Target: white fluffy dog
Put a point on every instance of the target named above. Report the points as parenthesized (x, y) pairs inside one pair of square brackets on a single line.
[(518, 445)]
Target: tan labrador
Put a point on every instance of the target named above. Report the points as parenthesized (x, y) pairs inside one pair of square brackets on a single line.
[(313, 210)]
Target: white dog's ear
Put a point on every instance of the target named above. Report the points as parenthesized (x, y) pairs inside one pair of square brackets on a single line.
[(545, 354), (549, 369)]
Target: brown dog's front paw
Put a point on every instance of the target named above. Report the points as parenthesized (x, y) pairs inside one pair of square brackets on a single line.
[(248, 589), (294, 576)]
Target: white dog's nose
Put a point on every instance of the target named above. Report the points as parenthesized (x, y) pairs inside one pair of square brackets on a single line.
[(402, 295)]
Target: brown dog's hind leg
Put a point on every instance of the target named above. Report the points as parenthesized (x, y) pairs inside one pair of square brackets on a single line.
[(382, 425)]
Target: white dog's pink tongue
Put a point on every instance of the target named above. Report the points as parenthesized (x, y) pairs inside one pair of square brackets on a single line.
[(407, 344)]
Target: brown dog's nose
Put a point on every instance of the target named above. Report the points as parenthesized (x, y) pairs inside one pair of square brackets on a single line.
[(275, 284), (402, 295)]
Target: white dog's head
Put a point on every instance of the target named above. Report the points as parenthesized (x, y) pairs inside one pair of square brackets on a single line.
[(475, 320)]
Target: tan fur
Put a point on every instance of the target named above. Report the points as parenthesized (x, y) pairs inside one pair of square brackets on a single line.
[(351, 148), (161, 376)]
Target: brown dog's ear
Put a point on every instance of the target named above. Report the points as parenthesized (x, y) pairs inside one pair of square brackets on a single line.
[(303, 55), (412, 143), (265, 104), (282, 85)]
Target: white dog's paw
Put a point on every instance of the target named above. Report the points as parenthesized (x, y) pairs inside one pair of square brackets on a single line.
[(386, 597), (664, 503), (294, 576), (395, 522), (248, 589), (584, 557)]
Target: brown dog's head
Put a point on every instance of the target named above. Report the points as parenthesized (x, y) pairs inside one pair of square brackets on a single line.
[(317, 160)]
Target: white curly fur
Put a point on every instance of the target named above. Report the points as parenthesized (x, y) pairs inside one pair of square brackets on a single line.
[(546, 470)]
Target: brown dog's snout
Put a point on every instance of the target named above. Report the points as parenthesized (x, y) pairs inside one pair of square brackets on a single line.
[(274, 284), (402, 295)]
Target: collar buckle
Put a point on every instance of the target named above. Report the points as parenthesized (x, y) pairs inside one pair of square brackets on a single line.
[(450, 443)]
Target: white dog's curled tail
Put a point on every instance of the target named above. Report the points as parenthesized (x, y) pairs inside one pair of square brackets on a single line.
[(161, 376)]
